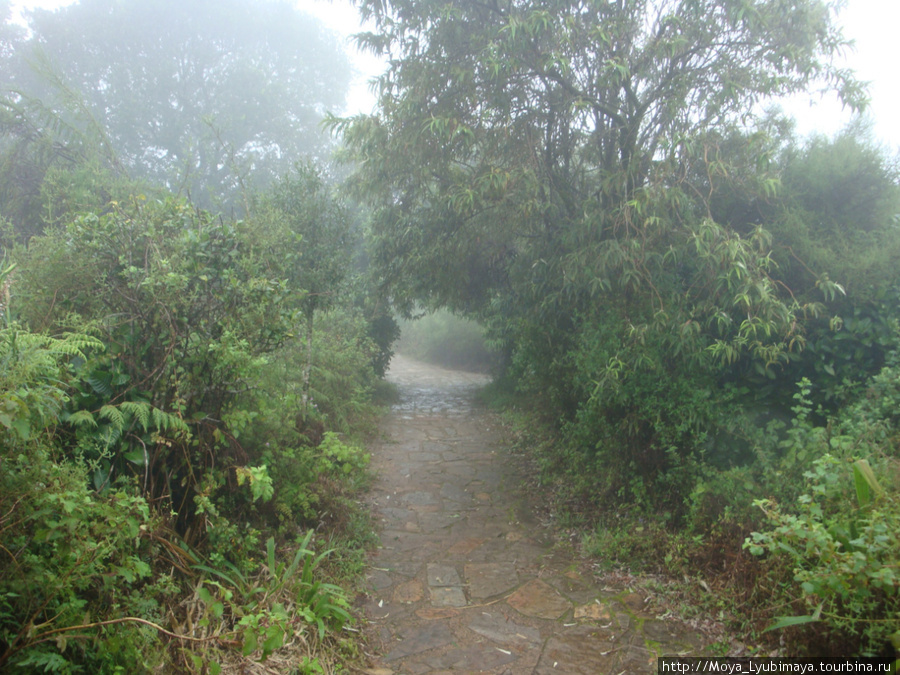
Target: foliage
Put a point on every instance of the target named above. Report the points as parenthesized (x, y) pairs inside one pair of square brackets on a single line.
[(836, 213), (69, 553), (840, 535), (143, 445), (513, 135), (659, 266), (262, 612), (182, 315), (552, 170), (47, 169), (188, 306), (208, 99), (302, 204), (843, 541), (314, 473)]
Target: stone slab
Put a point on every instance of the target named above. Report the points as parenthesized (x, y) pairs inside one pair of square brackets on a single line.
[(432, 636), (539, 599), (420, 499), (495, 626), (448, 596), (579, 651), (479, 658), (486, 580), (466, 546), (442, 575), (437, 613), (409, 592)]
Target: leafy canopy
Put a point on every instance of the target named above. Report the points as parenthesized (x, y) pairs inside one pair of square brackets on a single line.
[(513, 133)]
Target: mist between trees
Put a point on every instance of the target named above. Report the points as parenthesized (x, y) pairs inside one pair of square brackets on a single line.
[(447, 340), (695, 312)]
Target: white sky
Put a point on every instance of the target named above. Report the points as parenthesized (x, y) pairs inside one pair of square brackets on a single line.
[(876, 59), (872, 24)]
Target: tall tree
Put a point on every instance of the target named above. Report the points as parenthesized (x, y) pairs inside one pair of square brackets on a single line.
[(201, 96), (549, 167), (507, 125)]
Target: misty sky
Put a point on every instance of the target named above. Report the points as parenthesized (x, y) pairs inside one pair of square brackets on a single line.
[(871, 23)]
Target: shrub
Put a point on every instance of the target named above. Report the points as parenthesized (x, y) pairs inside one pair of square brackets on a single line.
[(842, 535), (843, 539), (73, 559)]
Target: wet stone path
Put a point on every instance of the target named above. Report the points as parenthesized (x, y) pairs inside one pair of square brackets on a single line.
[(466, 579)]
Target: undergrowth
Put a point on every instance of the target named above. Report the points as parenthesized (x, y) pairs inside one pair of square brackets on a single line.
[(795, 551)]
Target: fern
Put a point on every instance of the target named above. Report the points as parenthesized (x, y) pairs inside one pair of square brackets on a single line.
[(75, 344), (111, 435), (139, 411), (114, 415), (168, 422), (82, 418)]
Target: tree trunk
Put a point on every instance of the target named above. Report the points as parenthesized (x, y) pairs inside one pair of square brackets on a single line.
[(307, 367)]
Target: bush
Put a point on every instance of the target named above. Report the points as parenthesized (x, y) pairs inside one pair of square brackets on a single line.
[(148, 452), (188, 306), (843, 538), (72, 557), (842, 535)]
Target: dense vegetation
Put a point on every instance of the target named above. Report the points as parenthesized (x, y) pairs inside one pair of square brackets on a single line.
[(697, 311), (183, 393), (701, 307)]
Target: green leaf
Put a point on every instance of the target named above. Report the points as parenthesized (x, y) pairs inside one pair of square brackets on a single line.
[(250, 642), (22, 427), (204, 595), (788, 621), (273, 642), (865, 483), (136, 456)]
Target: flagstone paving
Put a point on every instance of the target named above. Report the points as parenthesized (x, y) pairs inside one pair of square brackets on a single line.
[(466, 578)]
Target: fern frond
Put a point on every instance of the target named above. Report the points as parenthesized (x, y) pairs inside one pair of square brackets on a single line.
[(167, 422), (82, 418), (100, 384), (138, 410), (114, 415), (111, 434), (75, 344)]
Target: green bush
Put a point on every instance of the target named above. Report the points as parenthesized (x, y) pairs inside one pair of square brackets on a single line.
[(187, 306), (183, 391), (76, 563), (843, 539), (842, 535)]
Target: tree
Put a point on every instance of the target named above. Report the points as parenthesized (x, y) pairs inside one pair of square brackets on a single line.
[(837, 212), (508, 128), (10, 33), (550, 167), (204, 97), (301, 205)]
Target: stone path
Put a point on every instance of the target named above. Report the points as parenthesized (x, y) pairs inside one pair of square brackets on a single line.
[(466, 578)]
